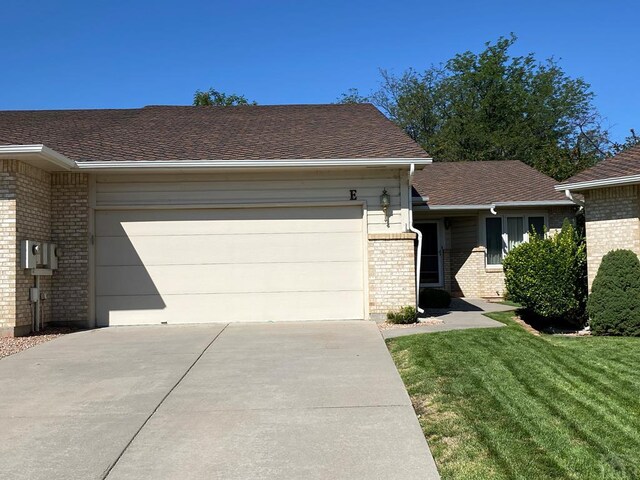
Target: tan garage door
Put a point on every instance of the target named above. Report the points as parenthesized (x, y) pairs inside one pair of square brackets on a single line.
[(229, 265)]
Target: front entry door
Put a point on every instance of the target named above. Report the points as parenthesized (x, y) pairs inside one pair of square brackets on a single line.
[(431, 261)]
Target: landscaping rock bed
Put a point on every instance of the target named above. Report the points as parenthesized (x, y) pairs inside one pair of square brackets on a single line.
[(421, 322), (11, 345)]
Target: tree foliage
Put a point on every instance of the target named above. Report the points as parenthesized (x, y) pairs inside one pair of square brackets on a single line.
[(494, 106), (214, 97), (630, 141), (548, 276), (614, 303), (353, 96)]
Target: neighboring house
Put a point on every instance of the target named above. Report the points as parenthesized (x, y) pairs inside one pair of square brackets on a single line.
[(611, 192), (472, 213), (206, 214)]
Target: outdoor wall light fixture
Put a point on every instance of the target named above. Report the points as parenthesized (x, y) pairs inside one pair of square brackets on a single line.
[(385, 202)]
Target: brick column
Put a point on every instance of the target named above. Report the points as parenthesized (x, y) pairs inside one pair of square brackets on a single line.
[(8, 249), (70, 231), (392, 277), (25, 212)]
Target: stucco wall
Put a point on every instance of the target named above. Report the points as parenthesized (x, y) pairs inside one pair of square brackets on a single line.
[(612, 222)]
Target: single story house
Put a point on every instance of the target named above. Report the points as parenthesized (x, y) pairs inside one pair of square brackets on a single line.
[(611, 192), (204, 214), (471, 214)]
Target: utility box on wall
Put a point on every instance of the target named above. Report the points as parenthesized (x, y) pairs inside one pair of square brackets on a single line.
[(54, 254), (30, 255), (39, 255)]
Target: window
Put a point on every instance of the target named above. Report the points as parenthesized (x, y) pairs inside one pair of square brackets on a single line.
[(536, 226), (515, 234), (502, 233), (494, 240)]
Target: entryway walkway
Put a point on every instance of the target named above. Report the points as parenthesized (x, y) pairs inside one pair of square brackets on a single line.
[(462, 314)]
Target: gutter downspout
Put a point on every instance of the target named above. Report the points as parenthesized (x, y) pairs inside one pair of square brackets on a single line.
[(569, 195), (418, 233)]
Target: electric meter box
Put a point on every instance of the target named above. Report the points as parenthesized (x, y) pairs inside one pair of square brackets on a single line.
[(53, 255), (44, 254), (30, 254)]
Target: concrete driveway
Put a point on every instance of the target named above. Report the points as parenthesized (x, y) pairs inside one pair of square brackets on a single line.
[(242, 401)]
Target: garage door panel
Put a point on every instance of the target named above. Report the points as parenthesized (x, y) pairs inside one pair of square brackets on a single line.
[(270, 307), (228, 221), (214, 249), (194, 265), (222, 278)]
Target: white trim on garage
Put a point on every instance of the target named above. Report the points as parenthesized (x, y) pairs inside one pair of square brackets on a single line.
[(330, 310)]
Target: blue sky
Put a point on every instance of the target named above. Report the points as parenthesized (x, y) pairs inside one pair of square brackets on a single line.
[(119, 54)]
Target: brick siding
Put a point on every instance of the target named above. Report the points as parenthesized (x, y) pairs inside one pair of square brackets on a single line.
[(464, 261), (70, 231), (612, 222), (8, 249), (25, 199), (392, 273)]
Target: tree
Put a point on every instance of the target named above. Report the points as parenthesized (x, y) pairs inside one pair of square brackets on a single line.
[(352, 96), (631, 141), (493, 106), (214, 97)]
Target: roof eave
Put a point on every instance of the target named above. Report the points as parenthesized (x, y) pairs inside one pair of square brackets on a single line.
[(37, 155), (146, 165), (605, 182), (420, 205)]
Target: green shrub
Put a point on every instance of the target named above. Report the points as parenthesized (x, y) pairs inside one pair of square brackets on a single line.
[(614, 303), (548, 276), (404, 315), (434, 298)]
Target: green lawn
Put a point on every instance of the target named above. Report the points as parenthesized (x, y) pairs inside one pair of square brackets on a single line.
[(502, 403)]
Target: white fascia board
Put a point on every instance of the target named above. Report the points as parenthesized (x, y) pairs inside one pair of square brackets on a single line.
[(189, 164), (548, 203), (452, 207), (607, 182), (535, 203), (37, 151)]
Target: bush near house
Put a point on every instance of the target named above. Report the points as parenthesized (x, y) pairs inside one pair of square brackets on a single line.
[(614, 303), (434, 298), (548, 276), (403, 316)]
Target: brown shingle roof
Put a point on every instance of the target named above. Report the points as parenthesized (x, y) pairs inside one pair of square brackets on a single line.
[(624, 164), (484, 183), (212, 133)]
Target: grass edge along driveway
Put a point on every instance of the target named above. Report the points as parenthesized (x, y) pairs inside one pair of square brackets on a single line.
[(505, 404)]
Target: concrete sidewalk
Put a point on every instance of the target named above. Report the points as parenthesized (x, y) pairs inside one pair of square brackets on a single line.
[(249, 401), (462, 314)]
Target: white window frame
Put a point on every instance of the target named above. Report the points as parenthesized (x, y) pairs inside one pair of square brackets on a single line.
[(505, 238)]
